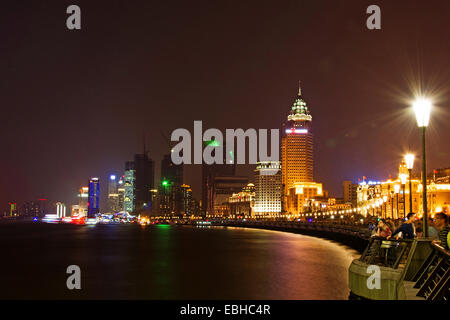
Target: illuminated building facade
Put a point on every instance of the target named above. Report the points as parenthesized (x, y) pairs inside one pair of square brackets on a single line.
[(128, 184), (113, 195), (120, 194), (242, 203), (268, 188), (297, 162), (302, 198), (224, 188), (350, 192), (390, 198), (60, 210), (94, 198), (83, 196), (12, 209)]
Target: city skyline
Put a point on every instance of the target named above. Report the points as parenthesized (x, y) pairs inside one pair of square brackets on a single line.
[(139, 95)]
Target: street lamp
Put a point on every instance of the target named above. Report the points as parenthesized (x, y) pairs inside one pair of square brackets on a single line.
[(397, 190), (385, 206), (403, 178), (409, 159), (422, 109)]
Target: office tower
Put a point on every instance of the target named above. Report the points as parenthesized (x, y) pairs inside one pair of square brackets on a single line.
[(297, 162), (170, 193), (268, 188), (129, 186), (170, 171), (113, 195), (83, 197), (121, 194), (144, 182), (209, 174), (223, 187), (94, 197), (350, 192)]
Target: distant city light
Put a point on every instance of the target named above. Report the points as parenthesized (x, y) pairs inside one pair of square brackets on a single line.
[(112, 177)]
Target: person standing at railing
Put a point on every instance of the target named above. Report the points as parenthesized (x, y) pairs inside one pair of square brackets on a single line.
[(407, 228), (383, 230), (433, 233), (442, 223)]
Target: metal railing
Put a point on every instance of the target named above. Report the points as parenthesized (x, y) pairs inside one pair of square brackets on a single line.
[(387, 253), (433, 277)]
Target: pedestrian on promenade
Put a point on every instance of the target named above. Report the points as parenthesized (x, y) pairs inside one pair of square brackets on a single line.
[(383, 230), (442, 223), (433, 233), (407, 228)]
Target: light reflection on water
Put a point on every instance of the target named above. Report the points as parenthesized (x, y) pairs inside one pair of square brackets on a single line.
[(171, 262)]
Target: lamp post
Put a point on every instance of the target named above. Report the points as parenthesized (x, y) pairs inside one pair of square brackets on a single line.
[(409, 159), (403, 178), (422, 108), (397, 190), (385, 206), (392, 204)]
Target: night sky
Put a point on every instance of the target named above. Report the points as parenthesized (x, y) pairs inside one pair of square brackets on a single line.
[(75, 104)]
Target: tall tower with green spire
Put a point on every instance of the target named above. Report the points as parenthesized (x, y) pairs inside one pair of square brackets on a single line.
[(297, 152)]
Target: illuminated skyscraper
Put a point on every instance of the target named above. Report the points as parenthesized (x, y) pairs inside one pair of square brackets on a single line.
[(268, 188), (83, 197), (113, 195), (128, 184), (297, 162), (121, 194), (94, 197)]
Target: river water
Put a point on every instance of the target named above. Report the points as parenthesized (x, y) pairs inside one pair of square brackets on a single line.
[(169, 262)]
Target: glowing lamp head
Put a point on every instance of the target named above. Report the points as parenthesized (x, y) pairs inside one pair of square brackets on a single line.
[(112, 177), (422, 109), (403, 178), (397, 188), (409, 159)]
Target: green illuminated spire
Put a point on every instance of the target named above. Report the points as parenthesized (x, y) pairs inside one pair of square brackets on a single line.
[(299, 109)]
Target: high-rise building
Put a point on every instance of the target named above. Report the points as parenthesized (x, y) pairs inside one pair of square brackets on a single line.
[(129, 187), (209, 174), (170, 191), (83, 197), (297, 157), (94, 198), (121, 194), (350, 192), (268, 188), (36, 208), (144, 183), (170, 171), (113, 195), (223, 188)]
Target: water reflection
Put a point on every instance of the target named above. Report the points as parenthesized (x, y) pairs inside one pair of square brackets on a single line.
[(171, 262)]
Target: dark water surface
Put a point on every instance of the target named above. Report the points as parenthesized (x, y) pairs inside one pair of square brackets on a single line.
[(169, 262)]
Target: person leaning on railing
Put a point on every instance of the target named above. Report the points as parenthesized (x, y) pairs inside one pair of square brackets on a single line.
[(407, 228), (383, 230), (441, 221)]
